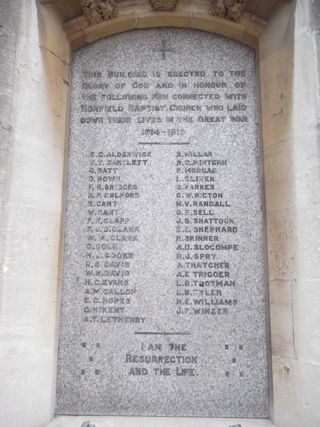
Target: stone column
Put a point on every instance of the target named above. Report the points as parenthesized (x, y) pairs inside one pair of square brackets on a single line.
[(33, 109), (289, 56)]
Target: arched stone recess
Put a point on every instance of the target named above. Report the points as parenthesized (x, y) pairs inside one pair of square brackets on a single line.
[(81, 32), (190, 15)]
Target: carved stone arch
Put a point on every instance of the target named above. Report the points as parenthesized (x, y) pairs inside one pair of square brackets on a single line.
[(248, 30)]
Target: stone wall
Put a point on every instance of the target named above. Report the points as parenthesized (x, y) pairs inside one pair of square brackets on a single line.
[(34, 93), (34, 103), (290, 109)]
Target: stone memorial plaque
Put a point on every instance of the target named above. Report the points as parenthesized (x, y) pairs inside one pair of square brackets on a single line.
[(164, 289)]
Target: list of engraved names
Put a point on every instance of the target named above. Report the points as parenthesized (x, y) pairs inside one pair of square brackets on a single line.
[(164, 240)]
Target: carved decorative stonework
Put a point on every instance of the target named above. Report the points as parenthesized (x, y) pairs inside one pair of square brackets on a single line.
[(99, 10), (229, 9), (162, 5), (217, 8)]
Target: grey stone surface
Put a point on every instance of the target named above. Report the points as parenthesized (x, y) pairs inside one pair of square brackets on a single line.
[(163, 299), (100, 421), (9, 19)]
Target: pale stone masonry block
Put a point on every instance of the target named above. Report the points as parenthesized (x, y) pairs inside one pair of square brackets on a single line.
[(276, 95), (291, 157), (293, 243), (33, 298), (33, 247), (296, 393), (26, 373), (281, 244), (282, 340), (278, 36), (294, 191), (34, 93), (41, 94), (9, 19), (278, 161), (306, 312), (51, 37), (37, 173)]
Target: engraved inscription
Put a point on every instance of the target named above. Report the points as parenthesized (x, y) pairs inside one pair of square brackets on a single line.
[(163, 300)]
